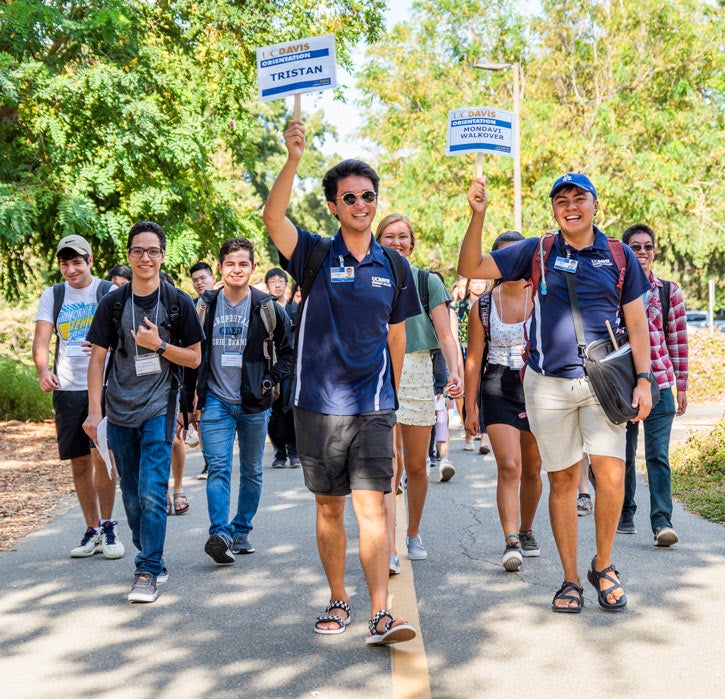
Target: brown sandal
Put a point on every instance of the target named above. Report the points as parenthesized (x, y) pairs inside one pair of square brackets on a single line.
[(181, 504)]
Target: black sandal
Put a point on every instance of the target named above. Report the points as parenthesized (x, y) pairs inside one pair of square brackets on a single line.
[(594, 576), (565, 593), (327, 617), (392, 634)]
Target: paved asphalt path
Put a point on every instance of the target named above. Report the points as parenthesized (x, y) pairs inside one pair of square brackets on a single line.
[(66, 629)]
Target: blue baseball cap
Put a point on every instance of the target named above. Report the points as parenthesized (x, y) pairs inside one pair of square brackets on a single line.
[(573, 179)]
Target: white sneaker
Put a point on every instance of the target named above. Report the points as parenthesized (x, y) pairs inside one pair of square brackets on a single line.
[(394, 566), (110, 545), (468, 444), (446, 471), (90, 544)]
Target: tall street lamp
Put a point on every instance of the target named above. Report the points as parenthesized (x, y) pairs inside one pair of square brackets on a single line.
[(515, 67)]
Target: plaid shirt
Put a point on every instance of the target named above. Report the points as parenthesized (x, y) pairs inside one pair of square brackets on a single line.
[(669, 355)]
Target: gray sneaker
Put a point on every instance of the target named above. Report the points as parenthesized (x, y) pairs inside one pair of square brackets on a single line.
[(241, 544), (394, 565), (416, 551), (219, 547), (163, 576), (279, 463), (90, 544), (584, 505), (665, 536), (529, 546), (143, 588)]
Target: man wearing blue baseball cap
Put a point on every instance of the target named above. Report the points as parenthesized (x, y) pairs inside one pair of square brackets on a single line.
[(564, 414)]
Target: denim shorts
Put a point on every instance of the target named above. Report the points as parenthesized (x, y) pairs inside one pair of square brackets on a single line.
[(341, 453)]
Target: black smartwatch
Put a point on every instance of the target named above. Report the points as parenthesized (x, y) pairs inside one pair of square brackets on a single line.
[(647, 375), (161, 348)]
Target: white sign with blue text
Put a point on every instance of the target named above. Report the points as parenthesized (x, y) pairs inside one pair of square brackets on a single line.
[(480, 130), (307, 65)]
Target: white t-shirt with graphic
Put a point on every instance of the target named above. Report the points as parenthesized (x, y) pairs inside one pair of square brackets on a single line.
[(74, 320)]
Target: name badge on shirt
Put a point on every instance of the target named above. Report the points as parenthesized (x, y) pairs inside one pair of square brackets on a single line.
[(147, 364), (340, 275), (516, 360), (75, 348), (232, 359), (566, 264)]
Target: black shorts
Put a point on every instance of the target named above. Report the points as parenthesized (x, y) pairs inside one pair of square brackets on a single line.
[(503, 398), (71, 411), (341, 453)]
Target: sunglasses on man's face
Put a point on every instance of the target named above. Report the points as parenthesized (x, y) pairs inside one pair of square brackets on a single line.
[(648, 247), (349, 198)]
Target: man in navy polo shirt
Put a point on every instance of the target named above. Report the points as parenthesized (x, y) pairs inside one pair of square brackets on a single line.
[(565, 416), (351, 343)]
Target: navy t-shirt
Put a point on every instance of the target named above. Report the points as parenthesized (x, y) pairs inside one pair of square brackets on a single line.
[(552, 336), (343, 362)]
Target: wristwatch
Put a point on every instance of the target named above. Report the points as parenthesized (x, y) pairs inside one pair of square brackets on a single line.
[(645, 375), (161, 348)]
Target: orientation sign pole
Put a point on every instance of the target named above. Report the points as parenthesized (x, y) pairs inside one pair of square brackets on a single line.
[(296, 67)]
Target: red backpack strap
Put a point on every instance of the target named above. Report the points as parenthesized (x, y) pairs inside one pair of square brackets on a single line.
[(538, 262), (484, 312), (616, 250)]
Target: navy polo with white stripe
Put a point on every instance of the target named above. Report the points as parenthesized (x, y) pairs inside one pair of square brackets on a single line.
[(553, 338)]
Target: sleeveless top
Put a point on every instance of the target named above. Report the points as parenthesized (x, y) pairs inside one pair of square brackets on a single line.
[(506, 340)]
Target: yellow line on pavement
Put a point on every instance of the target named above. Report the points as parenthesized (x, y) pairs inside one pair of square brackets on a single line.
[(409, 662)]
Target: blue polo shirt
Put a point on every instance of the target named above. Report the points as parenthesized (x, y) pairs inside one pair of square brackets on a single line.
[(343, 363), (552, 336)]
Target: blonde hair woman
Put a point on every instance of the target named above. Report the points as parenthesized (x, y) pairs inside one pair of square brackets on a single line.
[(416, 414)]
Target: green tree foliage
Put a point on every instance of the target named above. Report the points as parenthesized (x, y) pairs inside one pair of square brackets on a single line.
[(630, 93), (114, 111)]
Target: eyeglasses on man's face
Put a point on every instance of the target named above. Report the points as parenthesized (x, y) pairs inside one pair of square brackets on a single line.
[(350, 198), (139, 252), (647, 247)]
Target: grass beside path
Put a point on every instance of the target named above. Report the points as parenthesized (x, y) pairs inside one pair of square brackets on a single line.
[(698, 474)]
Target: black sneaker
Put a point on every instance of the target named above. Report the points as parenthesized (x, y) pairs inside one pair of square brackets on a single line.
[(626, 525), (204, 474), (241, 544), (219, 547)]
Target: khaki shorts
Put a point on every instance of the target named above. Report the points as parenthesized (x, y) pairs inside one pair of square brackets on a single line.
[(415, 393), (567, 421)]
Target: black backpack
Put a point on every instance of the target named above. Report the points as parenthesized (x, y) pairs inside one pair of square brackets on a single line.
[(170, 298), (319, 254)]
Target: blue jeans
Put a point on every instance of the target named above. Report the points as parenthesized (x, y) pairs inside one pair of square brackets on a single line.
[(143, 460), (219, 423), (657, 429)]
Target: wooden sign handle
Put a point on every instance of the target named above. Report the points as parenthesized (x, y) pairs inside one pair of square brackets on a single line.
[(298, 106), (479, 165)]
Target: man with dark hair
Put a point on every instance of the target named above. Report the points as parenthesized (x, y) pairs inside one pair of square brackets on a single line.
[(119, 275), (276, 281), (202, 278), (564, 414), (67, 310), (344, 403), (668, 346), (152, 330), (244, 329), (281, 422)]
